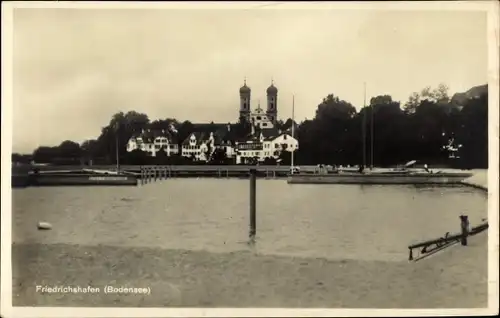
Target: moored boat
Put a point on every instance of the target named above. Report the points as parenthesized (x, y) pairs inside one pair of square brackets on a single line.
[(73, 178), (31, 176), (84, 179), (381, 177)]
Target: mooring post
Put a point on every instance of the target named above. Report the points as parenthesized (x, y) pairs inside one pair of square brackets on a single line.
[(253, 225), (464, 224)]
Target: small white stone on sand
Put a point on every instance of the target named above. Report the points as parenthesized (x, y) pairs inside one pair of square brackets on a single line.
[(44, 226)]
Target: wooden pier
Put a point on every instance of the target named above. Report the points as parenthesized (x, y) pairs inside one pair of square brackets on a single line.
[(148, 174)]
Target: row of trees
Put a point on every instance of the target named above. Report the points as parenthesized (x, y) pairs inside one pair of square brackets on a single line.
[(415, 131)]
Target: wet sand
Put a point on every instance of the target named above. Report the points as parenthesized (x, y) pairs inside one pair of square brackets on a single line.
[(453, 278)]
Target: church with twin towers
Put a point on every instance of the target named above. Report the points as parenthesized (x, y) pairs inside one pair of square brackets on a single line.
[(263, 119)]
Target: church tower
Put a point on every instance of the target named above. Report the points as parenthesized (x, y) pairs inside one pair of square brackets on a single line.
[(272, 103), (245, 93)]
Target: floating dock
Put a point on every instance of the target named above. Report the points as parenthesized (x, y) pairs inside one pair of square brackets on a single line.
[(72, 178), (379, 178)]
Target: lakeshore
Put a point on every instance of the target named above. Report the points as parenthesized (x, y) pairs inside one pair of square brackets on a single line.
[(74, 175), (478, 180), (454, 278), (364, 270)]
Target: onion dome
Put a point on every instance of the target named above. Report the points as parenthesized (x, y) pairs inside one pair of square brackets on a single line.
[(244, 89), (272, 90)]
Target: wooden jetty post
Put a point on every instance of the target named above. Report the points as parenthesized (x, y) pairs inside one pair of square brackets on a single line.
[(253, 218), (464, 225)]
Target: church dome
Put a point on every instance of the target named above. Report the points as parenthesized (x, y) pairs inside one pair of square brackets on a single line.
[(244, 89), (272, 90)]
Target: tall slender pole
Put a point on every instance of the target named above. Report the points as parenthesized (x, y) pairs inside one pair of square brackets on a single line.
[(293, 127), (364, 126), (253, 217), (371, 136), (117, 149)]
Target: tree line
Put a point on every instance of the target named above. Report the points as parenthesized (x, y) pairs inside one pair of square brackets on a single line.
[(382, 133)]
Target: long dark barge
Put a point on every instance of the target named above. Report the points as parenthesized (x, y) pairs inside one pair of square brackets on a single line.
[(380, 178), (72, 178)]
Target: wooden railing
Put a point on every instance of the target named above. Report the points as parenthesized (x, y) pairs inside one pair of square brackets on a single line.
[(434, 245)]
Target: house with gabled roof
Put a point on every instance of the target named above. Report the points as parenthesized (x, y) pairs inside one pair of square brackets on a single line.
[(264, 143), (194, 146), (153, 141)]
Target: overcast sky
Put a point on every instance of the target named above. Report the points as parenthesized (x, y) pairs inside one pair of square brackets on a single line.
[(74, 68)]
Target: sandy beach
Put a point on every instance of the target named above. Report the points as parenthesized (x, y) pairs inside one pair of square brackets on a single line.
[(455, 277)]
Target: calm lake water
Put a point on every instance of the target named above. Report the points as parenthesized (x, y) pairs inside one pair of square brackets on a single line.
[(330, 221)]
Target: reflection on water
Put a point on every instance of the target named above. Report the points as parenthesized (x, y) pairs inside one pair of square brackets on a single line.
[(331, 221)]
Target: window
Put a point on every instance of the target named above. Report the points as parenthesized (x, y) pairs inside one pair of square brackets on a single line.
[(264, 124), (244, 105), (271, 106), (276, 146), (258, 118)]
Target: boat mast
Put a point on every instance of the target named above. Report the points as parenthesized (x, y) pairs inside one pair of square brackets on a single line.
[(117, 150), (293, 127), (364, 126), (371, 134)]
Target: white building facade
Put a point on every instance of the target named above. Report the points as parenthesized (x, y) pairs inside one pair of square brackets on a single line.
[(152, 143), (261, 147), (197, 147)]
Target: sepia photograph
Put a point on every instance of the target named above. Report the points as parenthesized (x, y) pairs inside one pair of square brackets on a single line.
[(249, 159)]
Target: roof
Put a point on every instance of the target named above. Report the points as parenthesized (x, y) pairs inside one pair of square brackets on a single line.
[(148, 136), (271, 90), (208, 126), (245, 89), (223, 132), (201, 137), (270, 134)]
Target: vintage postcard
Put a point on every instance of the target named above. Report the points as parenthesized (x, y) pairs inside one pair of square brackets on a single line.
[(249, 159)]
